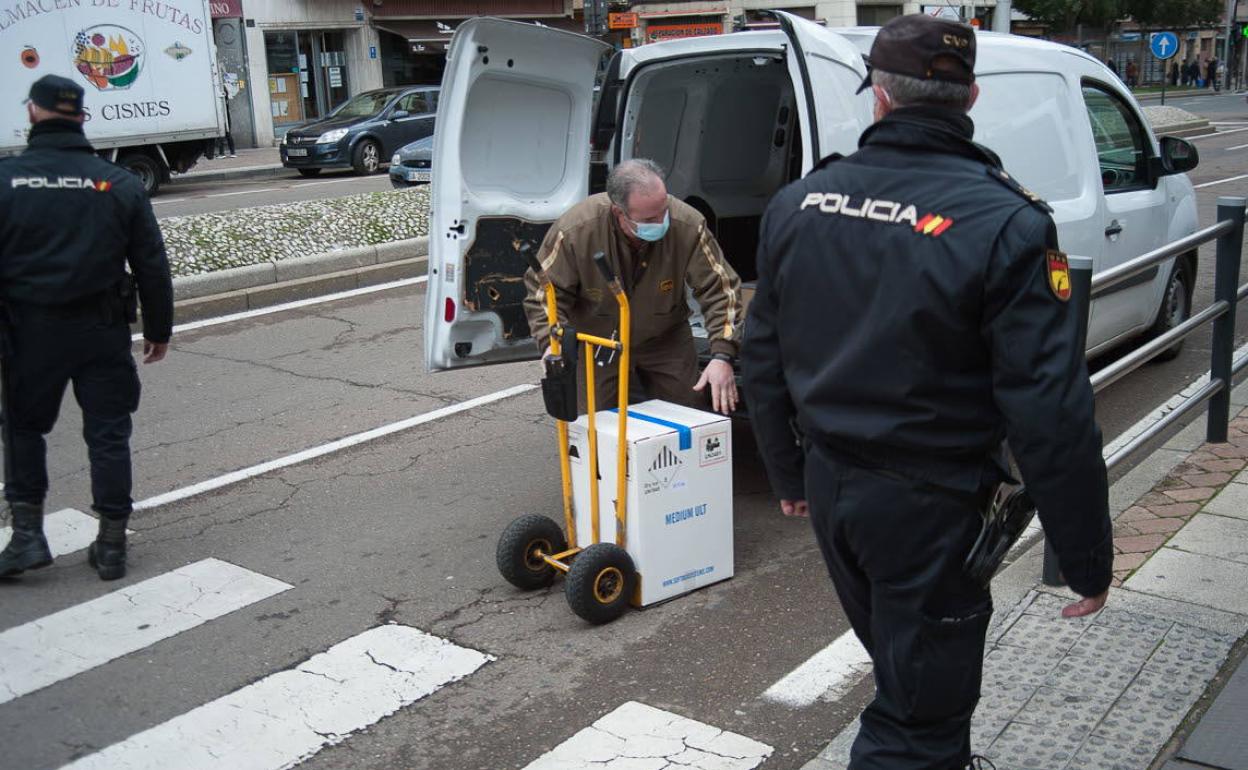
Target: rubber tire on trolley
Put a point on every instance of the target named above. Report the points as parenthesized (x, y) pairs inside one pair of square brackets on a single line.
[(601, 583), (518, 550)]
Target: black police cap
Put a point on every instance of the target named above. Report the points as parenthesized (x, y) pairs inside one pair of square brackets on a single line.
[(924, 47), (57, 94)]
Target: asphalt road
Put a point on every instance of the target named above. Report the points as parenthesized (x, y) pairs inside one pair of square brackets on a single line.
[(187, 196), (401, 529)]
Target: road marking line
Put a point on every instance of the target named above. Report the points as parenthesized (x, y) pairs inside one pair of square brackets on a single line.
[(295, 305), (163, 201), (635, 733), (289, 716), (244, 192), (1220, 181), (325, 449), (829, 674), (66, 643), (67, 531), (1217, 133), (1236, 147)]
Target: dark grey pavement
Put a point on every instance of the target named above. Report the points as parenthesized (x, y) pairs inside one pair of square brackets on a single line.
[(1219, 740)]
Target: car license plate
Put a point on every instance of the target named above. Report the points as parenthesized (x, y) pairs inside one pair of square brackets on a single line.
[(297, 153), (417, 176)]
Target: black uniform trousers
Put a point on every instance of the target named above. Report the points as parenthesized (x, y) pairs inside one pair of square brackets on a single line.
[(894, 547), (49, 349)]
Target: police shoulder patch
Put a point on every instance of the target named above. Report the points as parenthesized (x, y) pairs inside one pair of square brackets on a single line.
[(1002, 176), (1058, 268)]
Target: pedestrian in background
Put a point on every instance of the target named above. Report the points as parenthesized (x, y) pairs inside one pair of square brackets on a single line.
[(1132, 74), (1211, 74), (222, 141), (901, 347), (72, 222), (1185, 73), (1174, 74), (1113, 67)]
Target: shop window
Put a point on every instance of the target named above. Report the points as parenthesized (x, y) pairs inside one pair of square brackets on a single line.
[(877, 15)]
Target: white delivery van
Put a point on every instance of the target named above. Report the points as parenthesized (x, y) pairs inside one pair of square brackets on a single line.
[(736, 117), (149, 71)]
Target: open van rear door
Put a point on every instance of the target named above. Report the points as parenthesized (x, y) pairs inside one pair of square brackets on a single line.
[(510, 155), (826, 70)]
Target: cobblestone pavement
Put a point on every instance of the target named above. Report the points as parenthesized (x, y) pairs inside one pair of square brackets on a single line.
[(1108, 691)]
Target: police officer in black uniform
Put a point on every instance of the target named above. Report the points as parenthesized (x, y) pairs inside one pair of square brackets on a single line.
[(71, 222), (911, 313)]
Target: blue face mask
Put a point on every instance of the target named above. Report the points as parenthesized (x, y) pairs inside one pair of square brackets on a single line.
[(653, 231)]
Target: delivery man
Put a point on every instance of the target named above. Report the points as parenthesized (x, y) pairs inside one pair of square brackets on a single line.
[(658, 246)]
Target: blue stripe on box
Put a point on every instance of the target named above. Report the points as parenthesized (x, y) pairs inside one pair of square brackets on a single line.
[(685, 432)]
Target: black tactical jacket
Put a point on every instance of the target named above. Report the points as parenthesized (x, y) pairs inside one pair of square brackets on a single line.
[(70, 221), (906, 317)]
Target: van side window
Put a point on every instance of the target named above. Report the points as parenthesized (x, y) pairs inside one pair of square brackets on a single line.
[(1121, 143)]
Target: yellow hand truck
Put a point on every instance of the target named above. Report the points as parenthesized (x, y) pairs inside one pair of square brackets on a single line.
[(601, 578)]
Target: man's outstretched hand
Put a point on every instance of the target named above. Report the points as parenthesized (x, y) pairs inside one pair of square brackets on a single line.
[(1085, 606), (797, 508)]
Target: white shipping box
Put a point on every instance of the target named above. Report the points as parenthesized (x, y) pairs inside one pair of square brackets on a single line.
[(679, 487)]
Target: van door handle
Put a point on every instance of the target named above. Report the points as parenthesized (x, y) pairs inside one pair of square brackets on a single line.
[(1113, 229)]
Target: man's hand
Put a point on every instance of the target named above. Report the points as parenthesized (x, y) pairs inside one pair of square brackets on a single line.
[(719, 375), (154, 351), (1085, 606), (791, 508)]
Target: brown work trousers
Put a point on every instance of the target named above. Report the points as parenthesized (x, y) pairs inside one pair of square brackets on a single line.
[(665, 368)]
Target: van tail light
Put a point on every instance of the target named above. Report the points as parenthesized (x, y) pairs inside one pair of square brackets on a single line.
[(449, 313)]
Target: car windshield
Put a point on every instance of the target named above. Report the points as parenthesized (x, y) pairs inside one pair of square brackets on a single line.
[(364, 105)]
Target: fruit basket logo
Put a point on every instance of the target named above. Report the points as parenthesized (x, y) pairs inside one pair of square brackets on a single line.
[(109, 57)]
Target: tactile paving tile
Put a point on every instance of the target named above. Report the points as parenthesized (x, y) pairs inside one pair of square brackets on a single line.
[(1046, 604), (1002, 699), (1129, 643), (1189, 650), (1016, 665), (1069, 713), (985, 730), (1034, 632), (1111, 616), (1156, 686), (1101, 753), (1093, 676), (1029, 746)]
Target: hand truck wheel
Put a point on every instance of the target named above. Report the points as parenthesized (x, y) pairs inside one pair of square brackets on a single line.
[(601, 583), (521, 547)]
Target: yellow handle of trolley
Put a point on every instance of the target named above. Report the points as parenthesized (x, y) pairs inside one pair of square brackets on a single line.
[(591, 342)]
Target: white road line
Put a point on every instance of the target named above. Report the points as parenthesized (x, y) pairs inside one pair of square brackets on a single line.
[(291, 715), (295, 305), (330, 448), (641, 737), (243, 192), (829, 674), (1217, 133), (45, 651), (163, 201), (1236, 147), (1220, 181), (67, 531)]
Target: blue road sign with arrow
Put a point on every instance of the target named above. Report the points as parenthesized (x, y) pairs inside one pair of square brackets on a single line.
[(1163, 44)]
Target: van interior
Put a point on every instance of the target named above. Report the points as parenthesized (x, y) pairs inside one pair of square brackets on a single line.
[(725, 127)]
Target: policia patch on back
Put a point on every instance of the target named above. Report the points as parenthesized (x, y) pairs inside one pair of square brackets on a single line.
[(1004, 178), (1059, 274)]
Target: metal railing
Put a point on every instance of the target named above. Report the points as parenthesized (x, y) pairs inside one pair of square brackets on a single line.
[(1229, 233)]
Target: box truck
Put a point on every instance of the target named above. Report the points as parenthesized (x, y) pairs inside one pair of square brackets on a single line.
[(148, 68)]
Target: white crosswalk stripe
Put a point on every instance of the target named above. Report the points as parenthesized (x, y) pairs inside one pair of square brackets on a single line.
[(291, 715), (67, 531), (646, 738), (829, 674), (43, 652)]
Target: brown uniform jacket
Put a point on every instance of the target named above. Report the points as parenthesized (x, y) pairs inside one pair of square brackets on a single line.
[(687, 256)]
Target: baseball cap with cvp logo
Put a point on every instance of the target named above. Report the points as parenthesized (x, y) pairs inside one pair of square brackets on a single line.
[(923, 47)]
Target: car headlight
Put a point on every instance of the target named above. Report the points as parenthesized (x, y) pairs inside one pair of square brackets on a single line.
[(396, 160), (331, 136)]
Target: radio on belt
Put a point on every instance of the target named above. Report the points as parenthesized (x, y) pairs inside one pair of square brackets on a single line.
[(679, 496)]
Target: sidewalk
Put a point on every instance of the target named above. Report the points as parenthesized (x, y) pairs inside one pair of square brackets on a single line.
[(255, 163), (1109, 691)]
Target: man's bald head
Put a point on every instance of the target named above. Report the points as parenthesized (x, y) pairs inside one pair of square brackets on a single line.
[(634, 180)]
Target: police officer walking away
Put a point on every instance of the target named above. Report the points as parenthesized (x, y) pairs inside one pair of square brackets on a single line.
[(71, 222), (911, 312)]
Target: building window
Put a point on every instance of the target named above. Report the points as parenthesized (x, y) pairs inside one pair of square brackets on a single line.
[(877, 15)]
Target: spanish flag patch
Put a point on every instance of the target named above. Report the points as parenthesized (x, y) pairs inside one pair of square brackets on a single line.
[(1059, 274)]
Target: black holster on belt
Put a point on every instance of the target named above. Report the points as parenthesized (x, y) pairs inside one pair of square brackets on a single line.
[(129, 292), (1006, 517), (559, 384)]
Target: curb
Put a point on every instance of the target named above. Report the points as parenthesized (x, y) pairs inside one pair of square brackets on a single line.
[(1191, 128), (237, 289), (227, 174)]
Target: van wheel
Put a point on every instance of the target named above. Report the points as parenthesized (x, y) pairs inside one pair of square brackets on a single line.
[(601, 583), (520, 551), (1176, 307), (309, 172), (366, 158), (145, 168)]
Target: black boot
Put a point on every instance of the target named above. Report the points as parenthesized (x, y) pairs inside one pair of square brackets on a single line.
[(28, 548), (108, 553), (980, 763)]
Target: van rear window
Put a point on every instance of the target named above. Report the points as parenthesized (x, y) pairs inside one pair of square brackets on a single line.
[(1025, 118)]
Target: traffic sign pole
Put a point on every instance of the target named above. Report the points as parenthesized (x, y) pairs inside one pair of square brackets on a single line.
[(1164, 45)]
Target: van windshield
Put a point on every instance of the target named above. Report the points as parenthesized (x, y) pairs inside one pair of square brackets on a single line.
[(364, 105)]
